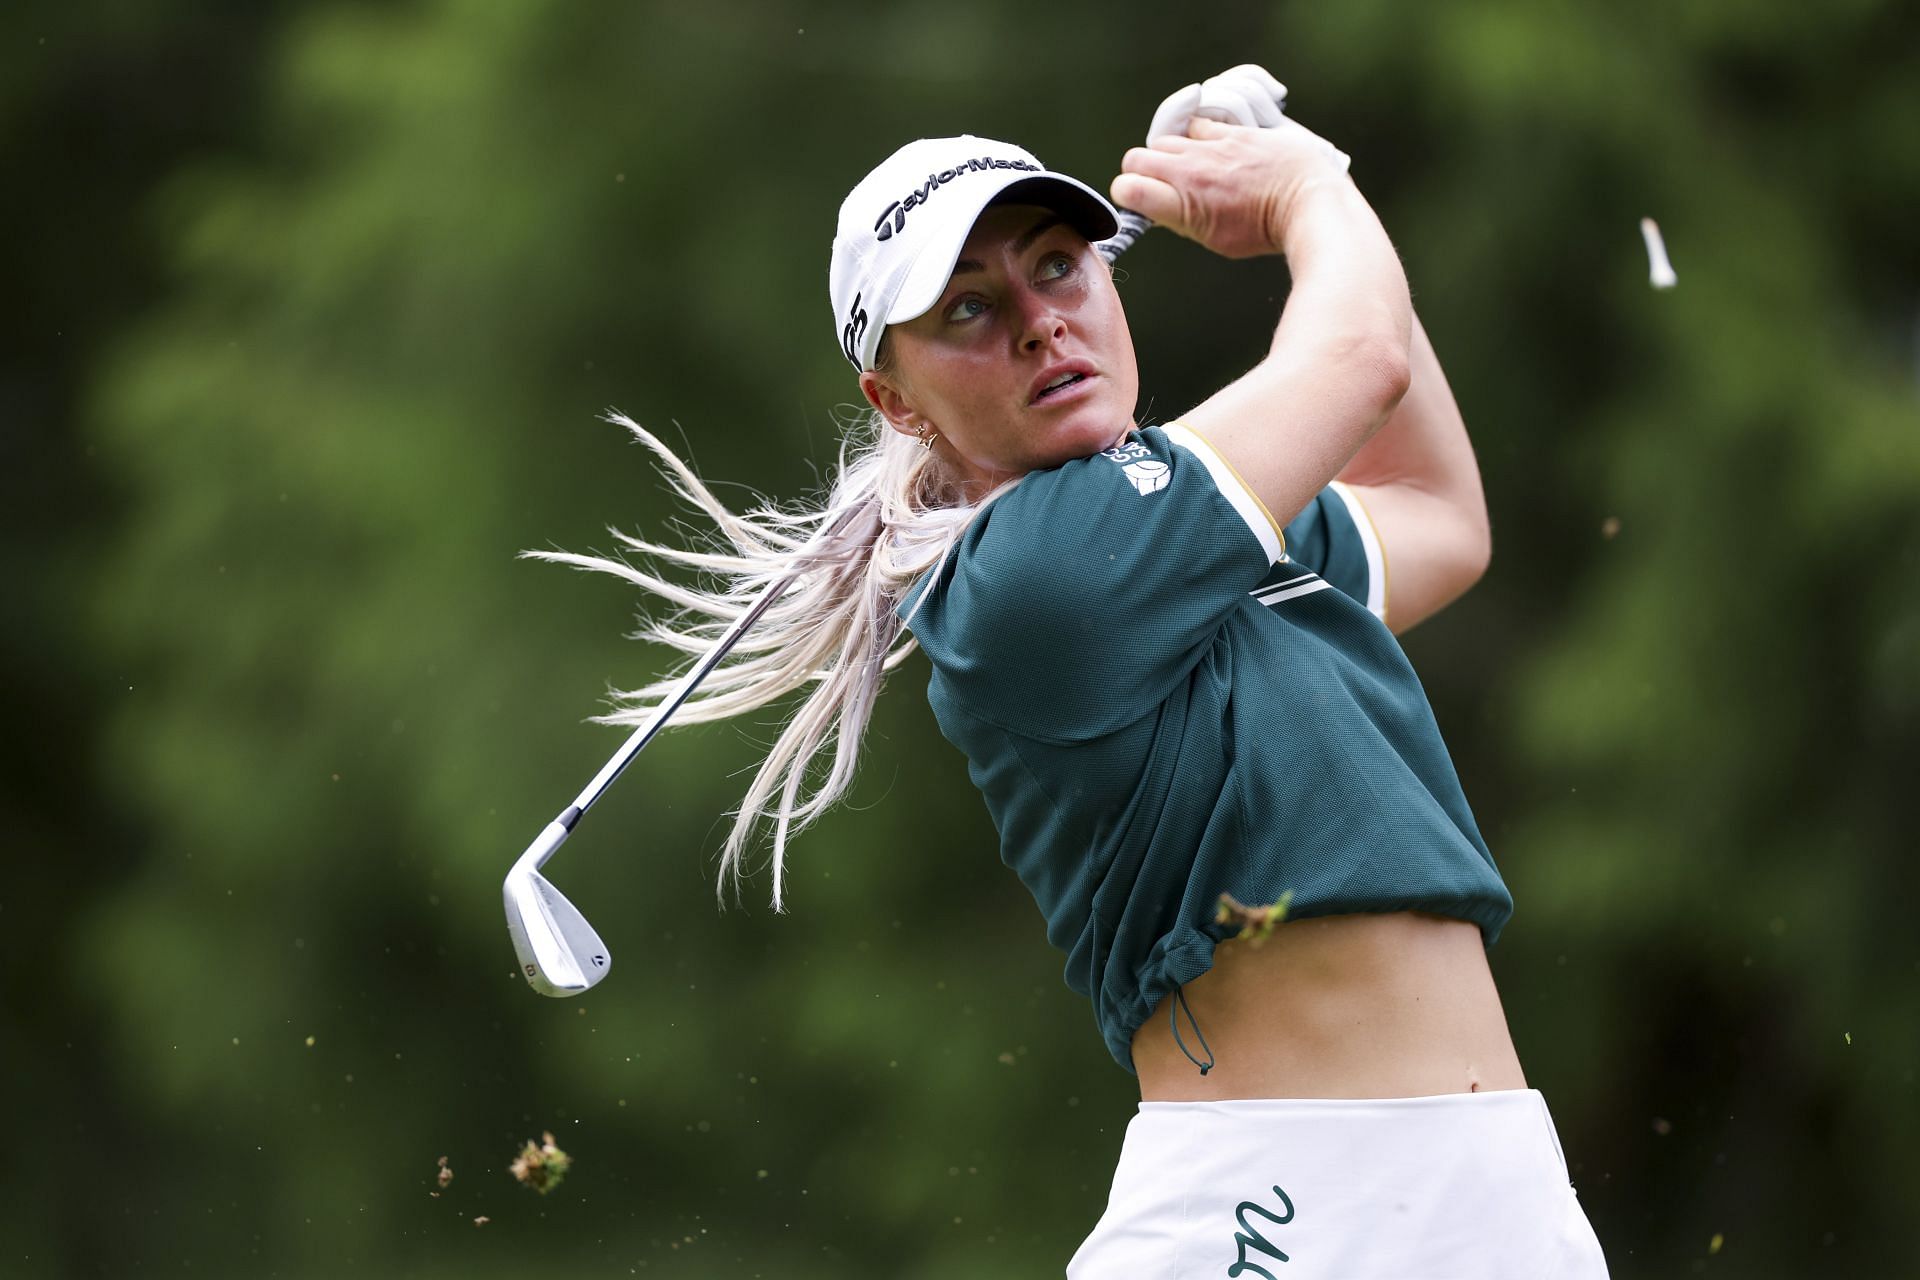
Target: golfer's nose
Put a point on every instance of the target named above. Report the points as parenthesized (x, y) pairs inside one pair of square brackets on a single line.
[(1041, 322)]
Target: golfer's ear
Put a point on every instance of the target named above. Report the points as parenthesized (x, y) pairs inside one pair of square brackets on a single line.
[(892, 405)]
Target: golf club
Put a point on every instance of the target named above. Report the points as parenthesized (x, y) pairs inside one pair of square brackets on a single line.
[(559, 952)]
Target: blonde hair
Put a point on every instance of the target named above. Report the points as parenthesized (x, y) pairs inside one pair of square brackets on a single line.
[(835, 629)]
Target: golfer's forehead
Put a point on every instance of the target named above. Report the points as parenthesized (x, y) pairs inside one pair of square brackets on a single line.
[(1000, 227)]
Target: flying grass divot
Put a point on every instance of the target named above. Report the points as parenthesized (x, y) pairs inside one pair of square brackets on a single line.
[(1256, 923), (541, 1167)]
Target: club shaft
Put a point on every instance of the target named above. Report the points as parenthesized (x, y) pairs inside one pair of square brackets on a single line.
[(700, 671)]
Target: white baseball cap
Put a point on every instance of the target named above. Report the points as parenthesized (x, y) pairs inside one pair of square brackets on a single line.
[(901, 229)]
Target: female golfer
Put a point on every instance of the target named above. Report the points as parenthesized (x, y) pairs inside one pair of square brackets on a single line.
[(1167, 653)]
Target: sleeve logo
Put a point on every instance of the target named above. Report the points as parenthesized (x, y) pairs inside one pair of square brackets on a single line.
[(1148, 476), (1144, 472)]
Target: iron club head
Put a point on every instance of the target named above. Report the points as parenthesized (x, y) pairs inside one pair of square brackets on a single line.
[(559, 952)]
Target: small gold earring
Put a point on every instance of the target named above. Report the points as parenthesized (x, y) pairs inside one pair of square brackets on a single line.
[(927, 436)]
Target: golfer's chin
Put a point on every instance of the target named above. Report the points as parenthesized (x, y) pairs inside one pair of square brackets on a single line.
[(1093, 438), (1099, 424)]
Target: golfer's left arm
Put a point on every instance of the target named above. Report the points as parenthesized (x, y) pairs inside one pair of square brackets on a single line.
[(1419, 482)]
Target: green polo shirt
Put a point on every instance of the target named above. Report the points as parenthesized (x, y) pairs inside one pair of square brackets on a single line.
[(1162, 698)]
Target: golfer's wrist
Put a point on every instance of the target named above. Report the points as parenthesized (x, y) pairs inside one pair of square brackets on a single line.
[(1322, 209)]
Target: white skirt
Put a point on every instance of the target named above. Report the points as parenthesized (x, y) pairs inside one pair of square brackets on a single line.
[(1470, 1186)]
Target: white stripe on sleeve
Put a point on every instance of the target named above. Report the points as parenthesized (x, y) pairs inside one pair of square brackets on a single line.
[(1287, 591), (1370, 541), (1253, 511)]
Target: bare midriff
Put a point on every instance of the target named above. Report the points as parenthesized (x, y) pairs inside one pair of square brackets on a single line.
[(1395, 1005)]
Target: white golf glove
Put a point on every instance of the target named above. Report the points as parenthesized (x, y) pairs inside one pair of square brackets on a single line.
[(1246, 95)]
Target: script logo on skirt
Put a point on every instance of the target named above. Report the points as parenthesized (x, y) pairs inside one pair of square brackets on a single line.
[(1250, 1237)]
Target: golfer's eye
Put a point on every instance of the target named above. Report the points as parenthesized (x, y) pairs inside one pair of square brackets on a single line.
[(1057, 266), (966, 309)]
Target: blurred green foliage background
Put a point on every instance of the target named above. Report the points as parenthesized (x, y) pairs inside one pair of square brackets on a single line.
[(312, 310)]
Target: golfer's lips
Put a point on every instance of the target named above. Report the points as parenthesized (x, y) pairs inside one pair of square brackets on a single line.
[(1075, 373)]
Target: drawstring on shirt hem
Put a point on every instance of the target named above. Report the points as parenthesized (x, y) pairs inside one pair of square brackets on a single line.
[(1173, 1020)]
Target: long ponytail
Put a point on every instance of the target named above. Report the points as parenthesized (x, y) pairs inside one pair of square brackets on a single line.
[(834, 629)]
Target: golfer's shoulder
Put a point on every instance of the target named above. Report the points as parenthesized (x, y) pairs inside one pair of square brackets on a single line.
[(1050, 523), (1058, 548)]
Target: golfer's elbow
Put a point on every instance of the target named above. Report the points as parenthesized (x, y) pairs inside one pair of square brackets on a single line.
[(1382, 372), (1477, 549)]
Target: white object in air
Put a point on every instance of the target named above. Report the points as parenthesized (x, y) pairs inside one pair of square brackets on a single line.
[(1660, 271)]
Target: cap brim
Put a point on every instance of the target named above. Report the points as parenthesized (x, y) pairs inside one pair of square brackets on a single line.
[(1083, 207)]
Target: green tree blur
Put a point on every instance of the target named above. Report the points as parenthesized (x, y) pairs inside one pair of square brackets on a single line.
[(315, 309)]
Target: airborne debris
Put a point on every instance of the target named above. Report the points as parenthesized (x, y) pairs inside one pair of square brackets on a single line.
[(1610, 528), (445, 1175), (1256, 923), (1659, 270), (1713, 1245), (541, 1167), (482, 1220)]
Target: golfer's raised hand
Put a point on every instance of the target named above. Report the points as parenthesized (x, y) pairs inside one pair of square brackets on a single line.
[(1232, 189), (1246, 94)]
